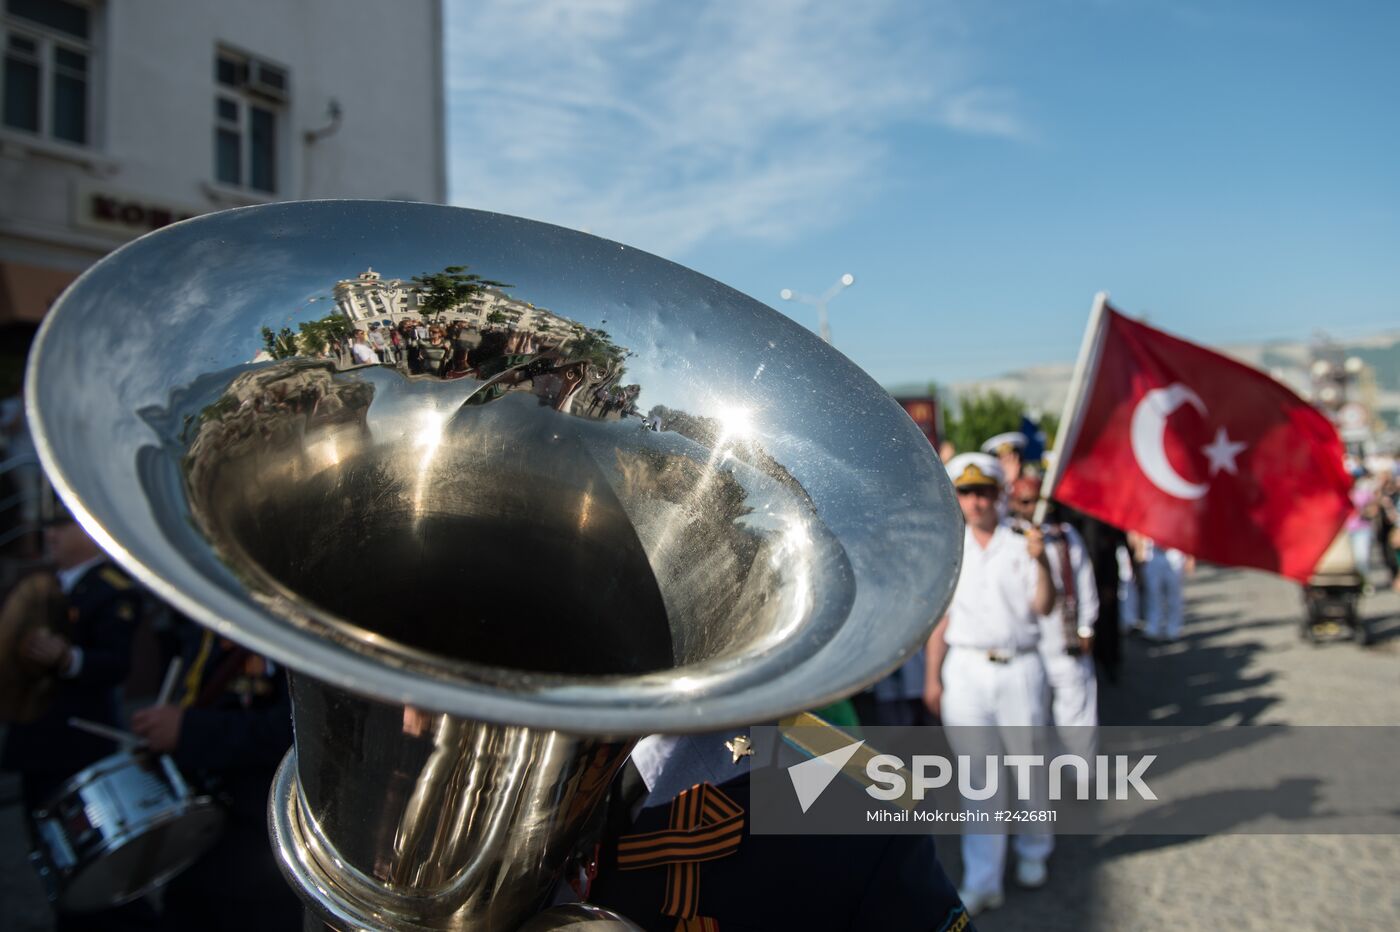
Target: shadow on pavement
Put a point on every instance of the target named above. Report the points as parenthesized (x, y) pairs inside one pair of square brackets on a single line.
[(1208, 677)]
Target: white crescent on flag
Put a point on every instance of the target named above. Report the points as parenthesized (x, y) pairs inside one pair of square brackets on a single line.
[(1148, 433)]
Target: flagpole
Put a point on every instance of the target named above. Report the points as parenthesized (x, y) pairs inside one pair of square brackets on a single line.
[(1065, 436)]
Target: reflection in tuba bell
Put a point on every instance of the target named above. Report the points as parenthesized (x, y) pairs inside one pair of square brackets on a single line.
[(607, 499)]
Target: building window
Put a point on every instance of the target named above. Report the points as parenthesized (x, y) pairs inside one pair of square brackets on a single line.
[(249, 102), (47, 72)]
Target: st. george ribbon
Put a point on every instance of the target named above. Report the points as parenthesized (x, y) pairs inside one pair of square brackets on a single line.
[(584, 495)]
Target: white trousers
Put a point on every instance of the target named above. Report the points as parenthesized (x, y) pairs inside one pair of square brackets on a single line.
[(1361, 539), (1074, 691), (1164, 574), (992, 697), (1074, 703), (1128, 611)]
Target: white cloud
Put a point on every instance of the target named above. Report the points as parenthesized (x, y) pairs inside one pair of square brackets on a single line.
[(664, 124)]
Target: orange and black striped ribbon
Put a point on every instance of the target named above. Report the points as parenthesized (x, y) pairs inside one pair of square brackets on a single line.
[(697, 924), (705, 825)]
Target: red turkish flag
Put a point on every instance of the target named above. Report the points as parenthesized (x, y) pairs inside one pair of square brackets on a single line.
[(1202, 453)]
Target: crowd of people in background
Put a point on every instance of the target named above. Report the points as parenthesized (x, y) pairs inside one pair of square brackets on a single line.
[(1374, 523), (456, 350), (449, 350)]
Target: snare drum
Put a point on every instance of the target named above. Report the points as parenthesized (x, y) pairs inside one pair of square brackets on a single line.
[(119, 829)]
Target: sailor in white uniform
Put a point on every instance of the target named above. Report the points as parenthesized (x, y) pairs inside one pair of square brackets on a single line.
[(1165, 570), (984, 668)]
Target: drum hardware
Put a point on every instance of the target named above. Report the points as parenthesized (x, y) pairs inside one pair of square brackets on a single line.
[(119, 829), (167, 685), (124, 739), (484, 598)]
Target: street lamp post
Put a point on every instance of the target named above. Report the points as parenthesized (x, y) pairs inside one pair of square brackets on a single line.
[(820, 303)]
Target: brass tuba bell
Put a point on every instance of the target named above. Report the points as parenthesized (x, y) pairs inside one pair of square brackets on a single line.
[(611, 497)]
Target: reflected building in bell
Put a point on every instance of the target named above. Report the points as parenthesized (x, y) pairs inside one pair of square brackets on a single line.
[(370, 298)]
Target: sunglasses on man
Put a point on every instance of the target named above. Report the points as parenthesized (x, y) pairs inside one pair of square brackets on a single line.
[(981, 491)]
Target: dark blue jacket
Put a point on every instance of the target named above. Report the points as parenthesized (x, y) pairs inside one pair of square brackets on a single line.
[(847, 882), (237, 725), (236, 728), (104, 608)]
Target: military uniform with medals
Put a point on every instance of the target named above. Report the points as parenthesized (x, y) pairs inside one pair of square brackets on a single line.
[(685, 861)]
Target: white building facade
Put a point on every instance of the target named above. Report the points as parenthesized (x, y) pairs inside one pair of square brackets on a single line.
[(119, 117), (370, 298)]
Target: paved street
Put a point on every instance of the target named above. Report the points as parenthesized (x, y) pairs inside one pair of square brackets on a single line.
[(1240, 662)]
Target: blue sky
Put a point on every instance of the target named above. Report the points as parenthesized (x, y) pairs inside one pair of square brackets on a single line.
[(1230, 169)]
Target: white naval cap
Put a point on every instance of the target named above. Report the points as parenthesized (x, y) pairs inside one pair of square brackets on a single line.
[(1012, 438), (969, 469)]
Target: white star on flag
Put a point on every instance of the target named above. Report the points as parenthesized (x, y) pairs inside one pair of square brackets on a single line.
[(1222, 453)]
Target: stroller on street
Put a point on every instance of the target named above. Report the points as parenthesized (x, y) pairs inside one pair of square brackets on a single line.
[(1332, 597)]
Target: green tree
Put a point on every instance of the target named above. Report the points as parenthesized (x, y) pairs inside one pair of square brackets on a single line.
[(450, 288), (280, 345), (597, 347), (317, 335), (981, 415)]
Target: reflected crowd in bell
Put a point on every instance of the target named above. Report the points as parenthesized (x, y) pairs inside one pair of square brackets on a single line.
[(469, 328)]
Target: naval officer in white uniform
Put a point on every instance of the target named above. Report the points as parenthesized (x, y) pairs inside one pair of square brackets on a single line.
[(984, 669)]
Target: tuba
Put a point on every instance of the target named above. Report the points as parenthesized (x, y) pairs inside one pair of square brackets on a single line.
[(623, 499)]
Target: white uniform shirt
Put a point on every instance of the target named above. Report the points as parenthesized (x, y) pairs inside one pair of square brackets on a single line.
[(363, 354), (993, 604), (1052, 626)]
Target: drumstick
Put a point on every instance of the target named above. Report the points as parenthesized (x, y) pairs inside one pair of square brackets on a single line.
[(166, 688), (107, 731)]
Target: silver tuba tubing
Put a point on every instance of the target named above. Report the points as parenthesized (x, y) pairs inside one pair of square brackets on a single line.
[(613, 498), (456, 840)]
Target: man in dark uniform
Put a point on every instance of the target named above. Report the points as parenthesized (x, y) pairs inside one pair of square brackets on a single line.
[(91, 655), (714, 876), (227, 727)]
